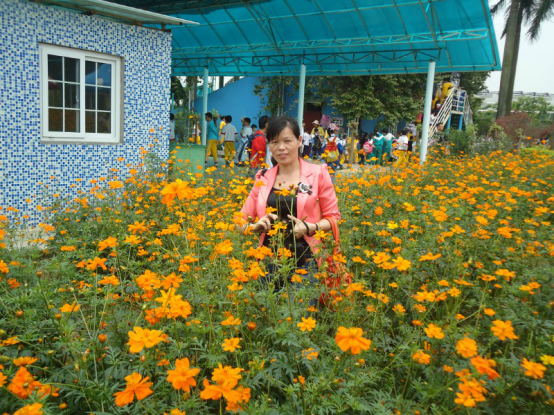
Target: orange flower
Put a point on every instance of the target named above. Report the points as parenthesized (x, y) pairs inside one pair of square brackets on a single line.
[(3, 379), (429, 257), (422, 357), (307, 324), (310, 354), (110, 242), (401, 264), (503, 330), (351, 339), (182, 377), (466, 347), (227, 375), (70, 308), (532, 369), (230, 345), (112, 279), (434, 331), (4, 267), (23, 383), (141, 338), (34, 409), (92, 264), (231, 321), (136, 386), (178, 189), (224, 248), (24, 361), (485, 367)]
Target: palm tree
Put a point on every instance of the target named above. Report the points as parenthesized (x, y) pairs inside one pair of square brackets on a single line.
[(532, 12)]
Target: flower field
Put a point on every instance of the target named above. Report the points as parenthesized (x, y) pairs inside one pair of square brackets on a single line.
[(144, 300)]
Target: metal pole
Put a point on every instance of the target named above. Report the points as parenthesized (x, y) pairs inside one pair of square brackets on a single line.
[(427, 112), (301, 90), (205, 106)]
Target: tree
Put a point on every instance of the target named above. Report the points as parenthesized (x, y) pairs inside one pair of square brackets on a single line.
[(537, 108), (533, 12)]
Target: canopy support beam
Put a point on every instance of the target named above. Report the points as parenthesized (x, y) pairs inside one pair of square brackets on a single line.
[(301, 91), (427, 112), (205, 104)]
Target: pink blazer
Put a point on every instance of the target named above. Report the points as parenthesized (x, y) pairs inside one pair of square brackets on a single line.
[(321, 203)]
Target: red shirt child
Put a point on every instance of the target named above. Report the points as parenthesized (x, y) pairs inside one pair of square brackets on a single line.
[(259, 144)]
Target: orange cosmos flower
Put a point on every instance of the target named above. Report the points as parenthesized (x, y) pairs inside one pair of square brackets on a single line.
[(178, 189), (136, 386), (422, 357), (230, 345), (434, 331), (401, 264), (34, 409), (112, 279), (92, 264), (485, 367), (310, 354), (4, 267), (141, 338), (351, 339), (223, 248), (3, 379), (231, 321), (70, 308), (466, 347), (182, 377), (429, 257), (110, 242), (23, 383), (24, 361), (532, 369), (503, 330), (307, 324)]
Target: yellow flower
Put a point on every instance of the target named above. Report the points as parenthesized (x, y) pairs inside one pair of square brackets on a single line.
[(307, 324), (230, 345), (547, 359)]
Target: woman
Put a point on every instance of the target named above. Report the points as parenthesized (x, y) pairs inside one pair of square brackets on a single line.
[(299, 194)]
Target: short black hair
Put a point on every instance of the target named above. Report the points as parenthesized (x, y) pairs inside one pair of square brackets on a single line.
[(246, 119), (209, 115), (385, 130), (171, 116), (278, 124), (228, 118), (254, 126), (405, 131), (263, 121)]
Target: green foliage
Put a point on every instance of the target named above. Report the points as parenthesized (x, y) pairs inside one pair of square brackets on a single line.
[(538, 108)]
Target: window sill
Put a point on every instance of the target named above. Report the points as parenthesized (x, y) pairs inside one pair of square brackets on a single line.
[(79, 142)]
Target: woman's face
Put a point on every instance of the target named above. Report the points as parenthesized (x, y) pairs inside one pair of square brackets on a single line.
[(284, 148)]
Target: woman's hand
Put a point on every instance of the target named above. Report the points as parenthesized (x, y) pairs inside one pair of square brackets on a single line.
[(300, 227), (264, 224)]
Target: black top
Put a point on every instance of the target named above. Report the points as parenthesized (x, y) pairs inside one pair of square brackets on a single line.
[(286, 205)]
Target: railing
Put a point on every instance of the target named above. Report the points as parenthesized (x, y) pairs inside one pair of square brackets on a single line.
[(457, 100)]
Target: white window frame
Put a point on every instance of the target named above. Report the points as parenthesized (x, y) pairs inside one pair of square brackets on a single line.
[(82, 137)]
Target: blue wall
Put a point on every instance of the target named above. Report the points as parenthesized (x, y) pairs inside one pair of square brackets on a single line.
[(26, 164), (237, 100)]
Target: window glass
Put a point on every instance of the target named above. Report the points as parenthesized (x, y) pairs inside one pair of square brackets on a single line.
[(78, 94)]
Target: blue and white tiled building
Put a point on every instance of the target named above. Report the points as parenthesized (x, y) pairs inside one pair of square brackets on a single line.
[(77, 93)]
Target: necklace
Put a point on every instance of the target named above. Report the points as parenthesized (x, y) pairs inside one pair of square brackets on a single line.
[(285, 179)]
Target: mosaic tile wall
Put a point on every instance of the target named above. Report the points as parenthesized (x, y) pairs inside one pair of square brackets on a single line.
[(24, 161)]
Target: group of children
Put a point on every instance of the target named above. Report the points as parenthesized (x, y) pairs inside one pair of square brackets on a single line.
[(377, 148)]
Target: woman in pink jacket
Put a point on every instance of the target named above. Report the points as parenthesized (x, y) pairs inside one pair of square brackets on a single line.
[(298, 193)]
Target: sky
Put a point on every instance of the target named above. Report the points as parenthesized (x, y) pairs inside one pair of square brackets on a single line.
[(535, 68)]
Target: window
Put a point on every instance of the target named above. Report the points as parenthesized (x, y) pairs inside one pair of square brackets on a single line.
[(80, 96)]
